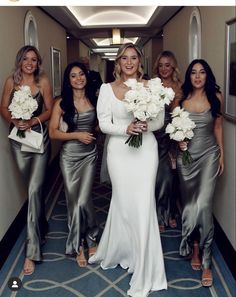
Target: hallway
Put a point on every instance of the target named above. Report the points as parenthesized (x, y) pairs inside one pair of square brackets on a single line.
[(187, 31), (59, 275)]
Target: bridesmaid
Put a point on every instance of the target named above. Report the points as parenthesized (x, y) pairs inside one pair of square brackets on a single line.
[(166, 69), (77, 159), (31, 165), (203, 100)]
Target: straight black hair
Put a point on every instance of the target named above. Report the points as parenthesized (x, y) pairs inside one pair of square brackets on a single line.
[(211, 88)]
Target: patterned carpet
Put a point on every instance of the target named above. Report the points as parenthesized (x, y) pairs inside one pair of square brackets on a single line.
[(60, 276)]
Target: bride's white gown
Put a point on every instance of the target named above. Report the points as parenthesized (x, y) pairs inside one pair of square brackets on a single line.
[(131, 236)]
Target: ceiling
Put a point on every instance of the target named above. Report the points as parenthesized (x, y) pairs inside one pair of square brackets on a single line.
[(93, 24)]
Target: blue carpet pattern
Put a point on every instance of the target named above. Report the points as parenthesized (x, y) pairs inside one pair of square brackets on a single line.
[(59, 275)]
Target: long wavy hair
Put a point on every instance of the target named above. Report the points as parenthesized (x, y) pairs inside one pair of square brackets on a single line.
[(211, 88), (173, 63), (120, 53), (67, 102), (17, 74)]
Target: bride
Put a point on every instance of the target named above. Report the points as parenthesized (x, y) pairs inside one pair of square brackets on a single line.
[(131, 236)]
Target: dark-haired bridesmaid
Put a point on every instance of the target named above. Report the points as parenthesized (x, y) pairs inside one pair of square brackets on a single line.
[(203, 101), (77, 159)]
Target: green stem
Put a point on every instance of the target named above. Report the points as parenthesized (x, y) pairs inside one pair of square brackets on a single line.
[(20, 133), (135, 140)]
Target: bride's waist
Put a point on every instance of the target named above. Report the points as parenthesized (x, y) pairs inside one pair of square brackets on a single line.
[(146, 137)]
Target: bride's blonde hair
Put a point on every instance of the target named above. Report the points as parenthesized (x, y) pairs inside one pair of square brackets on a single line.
[(120, 53)]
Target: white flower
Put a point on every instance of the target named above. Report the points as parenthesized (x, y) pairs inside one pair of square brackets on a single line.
[(178, 136), (170, 128), (181, 129), (155, 84), (23, 104), (184, 114), (181, 126), (176, 112), (146, 102), (189, 134), (131, 82), (169, 94), (141, 115)]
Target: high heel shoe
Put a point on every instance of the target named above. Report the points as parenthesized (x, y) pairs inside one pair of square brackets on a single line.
[(80, 258), (92, 251), (195, 260), (207, 278), (29, 267)]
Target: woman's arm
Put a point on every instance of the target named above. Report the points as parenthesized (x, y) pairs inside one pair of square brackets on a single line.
[(5, 102), (178, 96), (55, 133), (104, 113), (46, 90), (218, 131)]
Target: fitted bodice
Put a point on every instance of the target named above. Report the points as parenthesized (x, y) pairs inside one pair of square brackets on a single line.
[(119, 111), (204, 138), (84, 122)]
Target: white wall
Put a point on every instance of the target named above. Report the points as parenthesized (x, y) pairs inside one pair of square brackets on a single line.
[(50, 33), (213, 50)]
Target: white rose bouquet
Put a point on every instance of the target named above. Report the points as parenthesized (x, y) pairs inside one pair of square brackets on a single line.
[(22, 106), (145, 102), (181, 129)]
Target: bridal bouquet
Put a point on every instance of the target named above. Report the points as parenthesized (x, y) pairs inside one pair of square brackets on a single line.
[(146, 102), (22, 106), (181, 129)]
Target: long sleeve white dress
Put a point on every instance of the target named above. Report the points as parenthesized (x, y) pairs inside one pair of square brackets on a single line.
[(131, 236)]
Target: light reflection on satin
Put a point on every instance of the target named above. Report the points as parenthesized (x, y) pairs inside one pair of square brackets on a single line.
[(197, 183), (33, 168), (165, 198), (78, 165)]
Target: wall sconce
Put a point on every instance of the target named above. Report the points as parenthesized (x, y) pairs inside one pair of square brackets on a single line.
[(116, 39)]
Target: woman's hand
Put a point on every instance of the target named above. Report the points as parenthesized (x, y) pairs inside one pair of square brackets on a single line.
[(85, 137), (183, 145), (136, 127), (22, 124), (221, 165)]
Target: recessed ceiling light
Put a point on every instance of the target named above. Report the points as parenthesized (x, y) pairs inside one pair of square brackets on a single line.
[(110, 54), (105, 49), (108, 41)]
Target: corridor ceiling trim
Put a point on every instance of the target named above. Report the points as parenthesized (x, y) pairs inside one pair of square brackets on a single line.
[(94, 16), (99, 36)]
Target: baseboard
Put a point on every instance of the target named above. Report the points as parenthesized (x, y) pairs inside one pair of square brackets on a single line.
[(10, 238), (226, 248)]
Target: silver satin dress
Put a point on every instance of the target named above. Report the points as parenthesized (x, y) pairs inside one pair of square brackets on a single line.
[(33, 169), (78, 165), (197, 183), (165, 199)]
